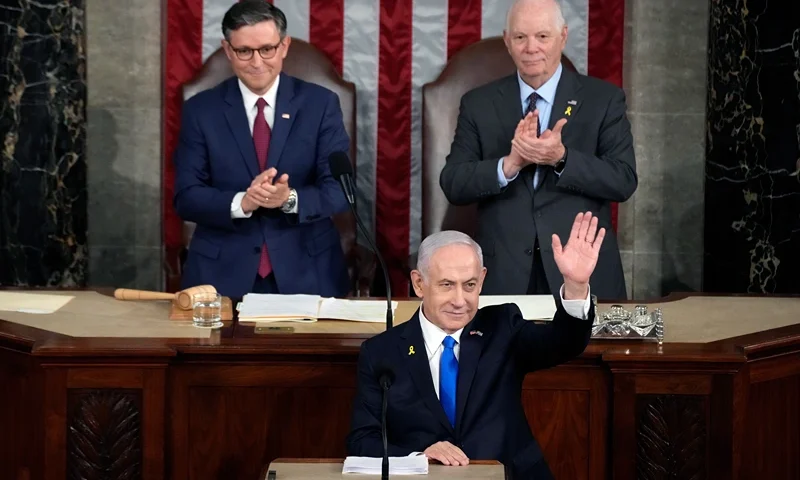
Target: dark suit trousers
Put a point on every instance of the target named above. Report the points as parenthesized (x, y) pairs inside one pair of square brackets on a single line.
[(537, 284), (266, 284)]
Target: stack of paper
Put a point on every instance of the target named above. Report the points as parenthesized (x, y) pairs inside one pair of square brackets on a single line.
[(264, 308), (411, 465), (533, 307)]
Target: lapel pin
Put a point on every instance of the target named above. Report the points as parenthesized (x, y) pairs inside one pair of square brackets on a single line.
[(285, 115), (411, 350), (476, 332), (568, 112), (573, 102)]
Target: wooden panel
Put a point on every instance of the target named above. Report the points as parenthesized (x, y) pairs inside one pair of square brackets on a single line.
[(675, 384), (560, 422), (568, 410), (154, 396), (55, 424), (108, 377), (772, 439), (236, 430), (20, 417), (672, 437), (104, 434)]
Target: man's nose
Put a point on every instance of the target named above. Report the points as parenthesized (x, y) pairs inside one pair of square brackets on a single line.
[(458, 299)]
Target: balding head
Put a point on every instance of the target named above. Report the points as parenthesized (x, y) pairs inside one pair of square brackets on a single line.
[(551, 8)]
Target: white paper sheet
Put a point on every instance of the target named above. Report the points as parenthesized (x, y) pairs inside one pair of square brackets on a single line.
[(32, 302), (410, 465)]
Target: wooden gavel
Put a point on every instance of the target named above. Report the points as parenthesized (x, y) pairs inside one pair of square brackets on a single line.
[(182, 299)]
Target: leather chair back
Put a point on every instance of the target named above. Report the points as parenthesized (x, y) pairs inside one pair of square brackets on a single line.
[(308, 63), (478, 64)]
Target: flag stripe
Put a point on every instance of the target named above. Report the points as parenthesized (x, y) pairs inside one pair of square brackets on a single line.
[(184, 39), (327, 29), (297, 17), (575, 14), (360, 66), (430, 25), (394, 139), (493, 17), (463, 24), (213, 11), (605, 50)]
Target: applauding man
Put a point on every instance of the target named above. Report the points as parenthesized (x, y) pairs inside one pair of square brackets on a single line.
[(535, 148)]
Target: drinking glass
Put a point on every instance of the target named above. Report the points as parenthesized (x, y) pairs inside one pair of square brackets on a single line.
[(207, 310)]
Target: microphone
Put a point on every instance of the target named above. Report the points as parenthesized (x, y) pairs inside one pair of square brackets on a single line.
[(342, 171), (385, 379)]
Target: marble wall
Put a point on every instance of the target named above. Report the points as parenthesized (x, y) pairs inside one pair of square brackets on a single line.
[(43, 193), (752, 202), (124, 142), (661, 226)]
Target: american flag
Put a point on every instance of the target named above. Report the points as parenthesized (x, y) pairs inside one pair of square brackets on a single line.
[(388, 49)]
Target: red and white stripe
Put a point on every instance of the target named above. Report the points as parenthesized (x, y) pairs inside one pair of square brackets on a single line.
[(389, 49)]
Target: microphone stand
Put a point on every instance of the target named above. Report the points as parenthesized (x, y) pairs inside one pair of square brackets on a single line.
[(385, 463), (383, 267)]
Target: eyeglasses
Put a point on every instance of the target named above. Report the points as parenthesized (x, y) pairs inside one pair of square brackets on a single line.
[(266, 52)]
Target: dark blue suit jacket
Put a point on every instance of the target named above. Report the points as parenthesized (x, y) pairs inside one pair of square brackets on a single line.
[(490, 421), (216, 158)]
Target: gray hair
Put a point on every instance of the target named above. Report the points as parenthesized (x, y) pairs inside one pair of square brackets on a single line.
[(435, 241), (560, 21), (251, 12)]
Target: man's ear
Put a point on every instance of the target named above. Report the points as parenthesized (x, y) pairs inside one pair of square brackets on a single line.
[(416, 282)]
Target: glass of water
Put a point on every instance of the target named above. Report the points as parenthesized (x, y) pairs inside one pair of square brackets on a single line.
[(207, 310)]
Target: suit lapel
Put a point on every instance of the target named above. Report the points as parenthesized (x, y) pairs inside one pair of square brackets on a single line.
[(509, 111), (566, 104), (472, 342), (237, 121), (417, 362), (285, 113)]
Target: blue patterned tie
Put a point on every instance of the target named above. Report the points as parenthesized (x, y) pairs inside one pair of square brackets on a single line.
[(448, 375)]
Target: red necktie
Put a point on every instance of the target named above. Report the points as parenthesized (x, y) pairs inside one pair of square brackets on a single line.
[(261, 136)]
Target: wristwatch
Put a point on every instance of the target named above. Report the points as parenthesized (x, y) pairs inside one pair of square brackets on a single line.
[(291, 202), (559, 166)]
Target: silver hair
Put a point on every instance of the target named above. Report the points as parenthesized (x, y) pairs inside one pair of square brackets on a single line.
[(438, 240), (560, 21), (251, 12)]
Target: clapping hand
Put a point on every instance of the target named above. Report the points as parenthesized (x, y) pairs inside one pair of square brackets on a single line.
[(576, 260)]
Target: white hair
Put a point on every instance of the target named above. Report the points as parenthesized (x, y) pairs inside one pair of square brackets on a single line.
[(560, 21), (438, 240)]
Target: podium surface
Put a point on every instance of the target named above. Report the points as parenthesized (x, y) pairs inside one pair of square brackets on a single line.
[(111, 389), (329, 469)]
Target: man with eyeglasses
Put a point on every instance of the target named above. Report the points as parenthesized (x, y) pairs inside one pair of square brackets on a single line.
[(252, 170)]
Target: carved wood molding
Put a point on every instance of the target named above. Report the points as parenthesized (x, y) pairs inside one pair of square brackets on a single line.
[(104, 434), (671, 437)]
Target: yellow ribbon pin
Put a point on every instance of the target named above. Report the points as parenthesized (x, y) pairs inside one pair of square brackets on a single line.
[(411, 350), (568, 112)]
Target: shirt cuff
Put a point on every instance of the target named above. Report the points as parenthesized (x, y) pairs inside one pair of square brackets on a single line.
[(577, 308), (501, 177), (236, 207)]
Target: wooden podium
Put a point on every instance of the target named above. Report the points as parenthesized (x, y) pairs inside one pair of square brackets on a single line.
[(330, 468), (109, 389)]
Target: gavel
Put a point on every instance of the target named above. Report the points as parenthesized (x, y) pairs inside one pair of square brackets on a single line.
[(182, 299)]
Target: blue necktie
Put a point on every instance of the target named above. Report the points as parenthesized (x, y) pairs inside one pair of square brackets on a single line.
[(448, 374)]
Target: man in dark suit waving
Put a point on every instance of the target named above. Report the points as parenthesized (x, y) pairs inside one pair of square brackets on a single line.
[(535, 148), (459, 370), (251, 170)]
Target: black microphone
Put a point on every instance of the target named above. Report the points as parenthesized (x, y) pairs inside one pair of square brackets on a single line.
[(385, 379), (342, 171)]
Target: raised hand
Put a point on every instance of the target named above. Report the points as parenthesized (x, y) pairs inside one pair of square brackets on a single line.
[(576, 260)]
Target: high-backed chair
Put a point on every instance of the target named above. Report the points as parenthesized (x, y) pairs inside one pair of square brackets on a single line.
[(308, 63), (475, 65)]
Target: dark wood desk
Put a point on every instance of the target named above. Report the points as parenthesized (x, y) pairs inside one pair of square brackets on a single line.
[(225, 406)]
